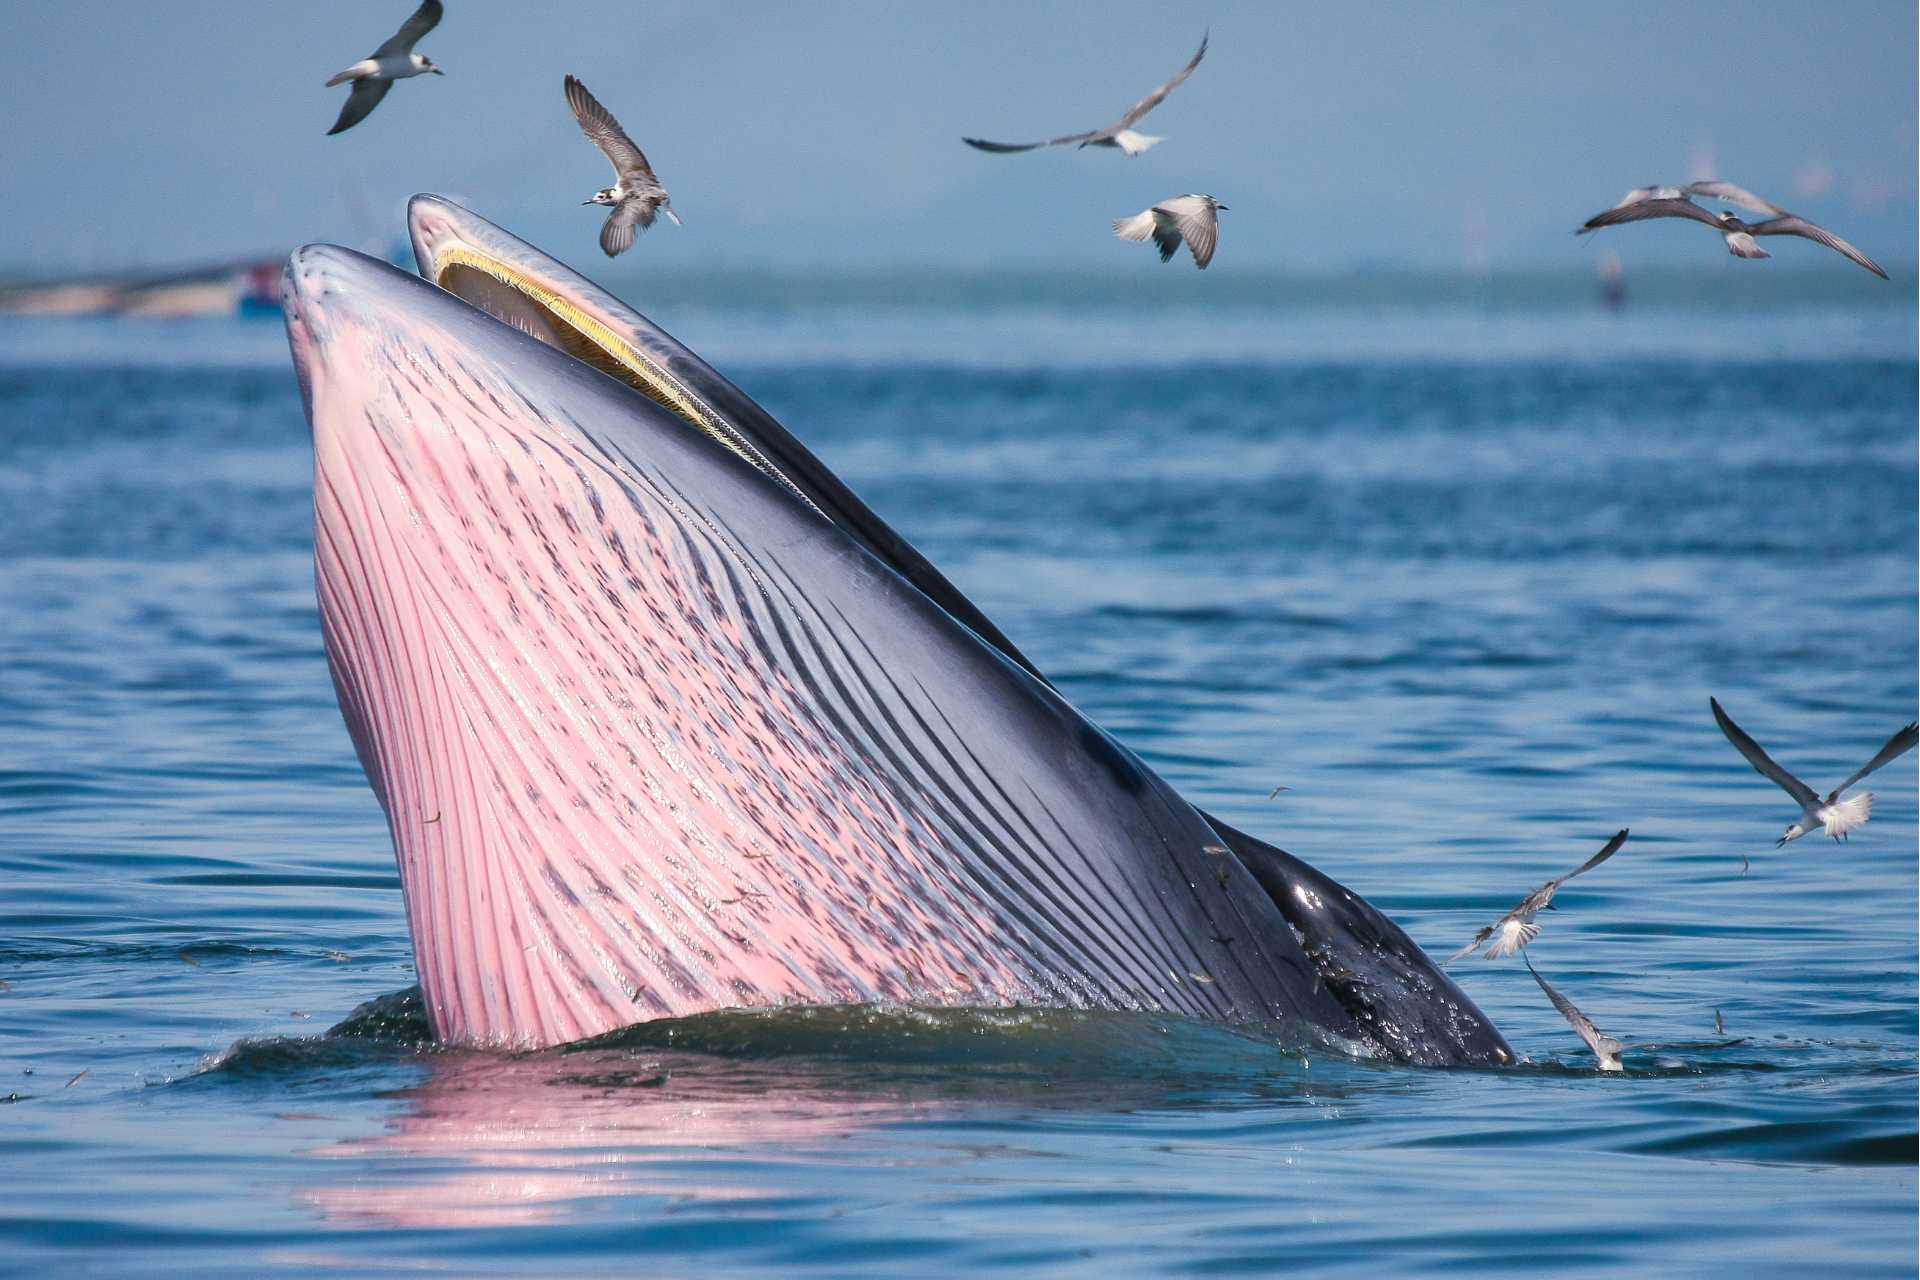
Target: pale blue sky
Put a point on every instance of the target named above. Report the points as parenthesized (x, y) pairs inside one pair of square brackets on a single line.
[(819, 136)]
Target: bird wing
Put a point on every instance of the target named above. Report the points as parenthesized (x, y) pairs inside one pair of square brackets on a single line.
[(1197, 222), (1478, 938), (1793, 225), (424, 19), (1898, 744), (616, 237), (1732, 195), (1603, 1045), (1763, 763), (1137, 227), (1155, 98), (1638, 194), (1607, 851), (1001, 148), (604, 132), (1640, 210), (366, 95)]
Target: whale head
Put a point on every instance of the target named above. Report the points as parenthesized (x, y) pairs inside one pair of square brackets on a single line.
[(664, 720)]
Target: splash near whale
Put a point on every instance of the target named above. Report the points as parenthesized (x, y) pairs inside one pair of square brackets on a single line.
[(664, 720)]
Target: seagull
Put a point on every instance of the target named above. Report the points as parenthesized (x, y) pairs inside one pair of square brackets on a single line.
[(636, 195), (1118, 134), (1514, 930), (1676, 202), (1604, 1046), (1192, 217), (395, 60), (1831, 814)]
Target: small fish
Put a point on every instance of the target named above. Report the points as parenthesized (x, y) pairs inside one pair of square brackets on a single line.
[(1719, 1027), (76, 1077)]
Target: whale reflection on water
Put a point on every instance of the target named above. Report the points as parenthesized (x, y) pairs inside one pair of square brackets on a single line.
[(687, 1110)]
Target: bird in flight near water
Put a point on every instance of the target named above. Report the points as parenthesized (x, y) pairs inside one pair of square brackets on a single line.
[(1514, 930), (636, 195), (1604, 1046), (373, 75), (1193, 218), (1828, 813), (1643, 203), (1120, 133)]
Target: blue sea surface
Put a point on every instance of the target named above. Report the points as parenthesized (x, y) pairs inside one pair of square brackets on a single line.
[(1462, 577)]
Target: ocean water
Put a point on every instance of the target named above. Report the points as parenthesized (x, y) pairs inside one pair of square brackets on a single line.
[(1460, 576)]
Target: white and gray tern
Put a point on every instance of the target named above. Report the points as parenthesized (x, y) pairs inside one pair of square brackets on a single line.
[(1829, 813), (1193, 218), (636, 195), (1643, 203), (1118, 134), (373, 75), (1514, 930)]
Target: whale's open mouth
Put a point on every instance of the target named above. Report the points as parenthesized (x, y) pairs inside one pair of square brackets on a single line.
[(535, 309), (516, 284)]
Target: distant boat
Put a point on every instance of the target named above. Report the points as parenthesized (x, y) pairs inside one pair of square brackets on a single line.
[(240, 286)]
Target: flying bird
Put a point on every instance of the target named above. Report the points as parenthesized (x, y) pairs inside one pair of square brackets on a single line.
[(1514, 930), (1192, 217), (372, 76), (1604, 1046), (1830, 813), (1643, 203), (1118, 134), (636, 195)]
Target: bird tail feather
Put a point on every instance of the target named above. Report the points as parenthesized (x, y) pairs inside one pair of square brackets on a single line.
[(1511, 939), (1138, 227), (1741, 245), (1847, 815)]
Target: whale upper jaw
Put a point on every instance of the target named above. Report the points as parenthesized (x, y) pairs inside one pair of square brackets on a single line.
[(655, 733)]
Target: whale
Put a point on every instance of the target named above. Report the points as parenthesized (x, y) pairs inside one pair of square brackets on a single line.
[(664, 720)]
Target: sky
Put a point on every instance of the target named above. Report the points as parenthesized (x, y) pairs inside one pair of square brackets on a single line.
[(1468, 137)]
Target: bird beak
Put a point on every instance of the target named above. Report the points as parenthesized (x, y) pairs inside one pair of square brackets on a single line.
[(674, 216), (437, 71), (1222, 206), (1551, 907), (586, 202), (1777, 843)]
